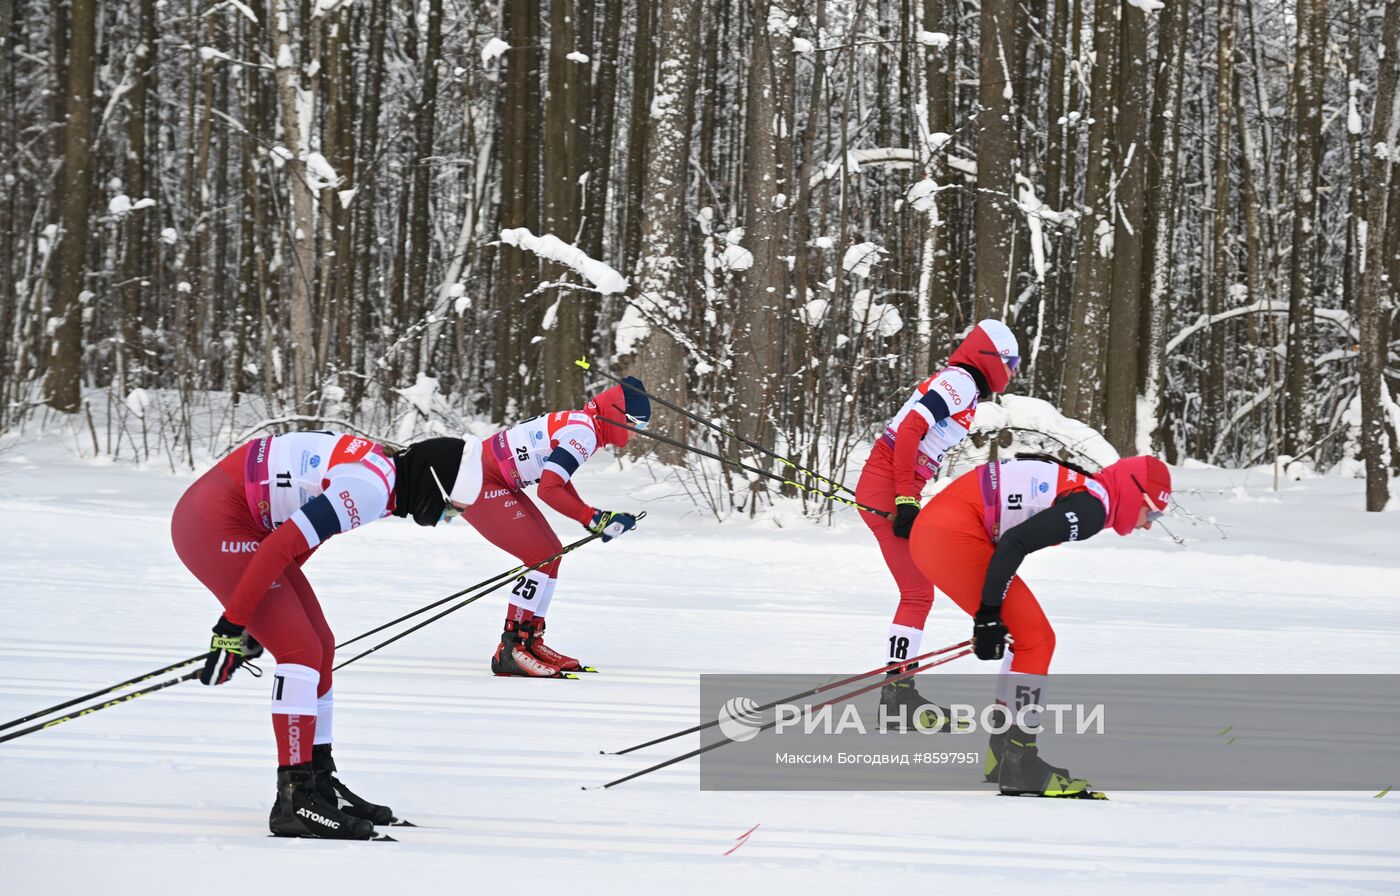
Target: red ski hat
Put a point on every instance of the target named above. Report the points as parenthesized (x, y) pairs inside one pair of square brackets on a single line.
[(624, 403), (989, 345), (1127, 481)]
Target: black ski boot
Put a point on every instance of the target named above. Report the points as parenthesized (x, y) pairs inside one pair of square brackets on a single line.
[(329, 788), (996, 745), (1021, 771), (300, 811), (900, 701)]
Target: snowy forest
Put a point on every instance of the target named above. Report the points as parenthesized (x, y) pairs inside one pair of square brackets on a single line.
[(782, 214)]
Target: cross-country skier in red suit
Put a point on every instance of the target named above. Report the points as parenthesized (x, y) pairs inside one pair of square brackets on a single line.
[(937, 416), (971, 538), (547, 450), (246, 527)]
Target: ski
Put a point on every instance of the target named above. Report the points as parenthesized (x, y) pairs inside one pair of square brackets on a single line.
[(381, 838), (1077, 795), (402, 823)]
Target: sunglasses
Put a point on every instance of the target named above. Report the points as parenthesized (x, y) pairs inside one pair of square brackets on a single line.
[(449, 512), (1012, 361), (637, 423), (1154, 513)]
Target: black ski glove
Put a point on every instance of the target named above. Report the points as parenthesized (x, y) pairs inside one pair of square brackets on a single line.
[(988, 634), (906, 510), (230, 647), (611, 524)]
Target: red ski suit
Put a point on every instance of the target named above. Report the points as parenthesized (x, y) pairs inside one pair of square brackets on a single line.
[(935, 418), (309, 486), (547, 450)]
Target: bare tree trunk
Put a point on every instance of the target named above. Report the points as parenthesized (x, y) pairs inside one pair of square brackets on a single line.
[(643, 73), (998, 158), (661, 298), (764, 287), (1299, 403), (565, 147), (61, 384), (1214, 413), (136, 228), (941, 290), (1125, 356), (420, 214), (519, 189), (1377, 301), (601, 143), (1084, 369), (301, 229)]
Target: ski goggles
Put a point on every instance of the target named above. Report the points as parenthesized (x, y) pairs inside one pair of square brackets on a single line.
[(449, 511), (1154, 513), (1012, 361)]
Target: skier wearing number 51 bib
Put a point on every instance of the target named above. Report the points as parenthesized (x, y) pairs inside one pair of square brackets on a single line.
[(547, 450), (936, 417), (970, 539)]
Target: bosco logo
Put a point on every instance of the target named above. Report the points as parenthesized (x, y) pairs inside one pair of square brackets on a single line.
[(350, 508)]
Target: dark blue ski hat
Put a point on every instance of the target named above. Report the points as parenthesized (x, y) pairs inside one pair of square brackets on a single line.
[(638, 406)]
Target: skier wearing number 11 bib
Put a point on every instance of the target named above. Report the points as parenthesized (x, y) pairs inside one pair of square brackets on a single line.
[(547, 450)]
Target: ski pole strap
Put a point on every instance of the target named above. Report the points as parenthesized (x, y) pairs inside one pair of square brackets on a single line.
[(124, 698), (787, 462), (830, 496), (107, 690)]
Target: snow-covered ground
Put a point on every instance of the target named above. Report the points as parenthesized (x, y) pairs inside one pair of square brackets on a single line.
[(169, 794)]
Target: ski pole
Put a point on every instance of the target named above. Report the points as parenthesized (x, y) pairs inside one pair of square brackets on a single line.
[(817, 690), (125, 698), (473, 598), (840, 486), (203, 656), (830, 496), (437, 603), (107, 690), (767, 725)]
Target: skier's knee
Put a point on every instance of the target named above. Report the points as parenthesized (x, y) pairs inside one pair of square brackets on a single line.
[(1033, 650)]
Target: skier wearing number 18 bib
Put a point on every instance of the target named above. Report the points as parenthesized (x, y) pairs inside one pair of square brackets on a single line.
[(936, 417), (547, 450), (970, 539)]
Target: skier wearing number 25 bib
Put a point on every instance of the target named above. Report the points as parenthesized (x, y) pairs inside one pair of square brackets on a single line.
[(970, 539), (934, 419), (246, 527), (547, 450)]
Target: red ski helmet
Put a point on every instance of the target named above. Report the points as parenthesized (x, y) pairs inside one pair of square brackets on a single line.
[(623, 403), (1128, 481), (989, 345)]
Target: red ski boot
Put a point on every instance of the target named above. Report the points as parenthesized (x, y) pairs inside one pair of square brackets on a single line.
[(535, 641), (513, 656)]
